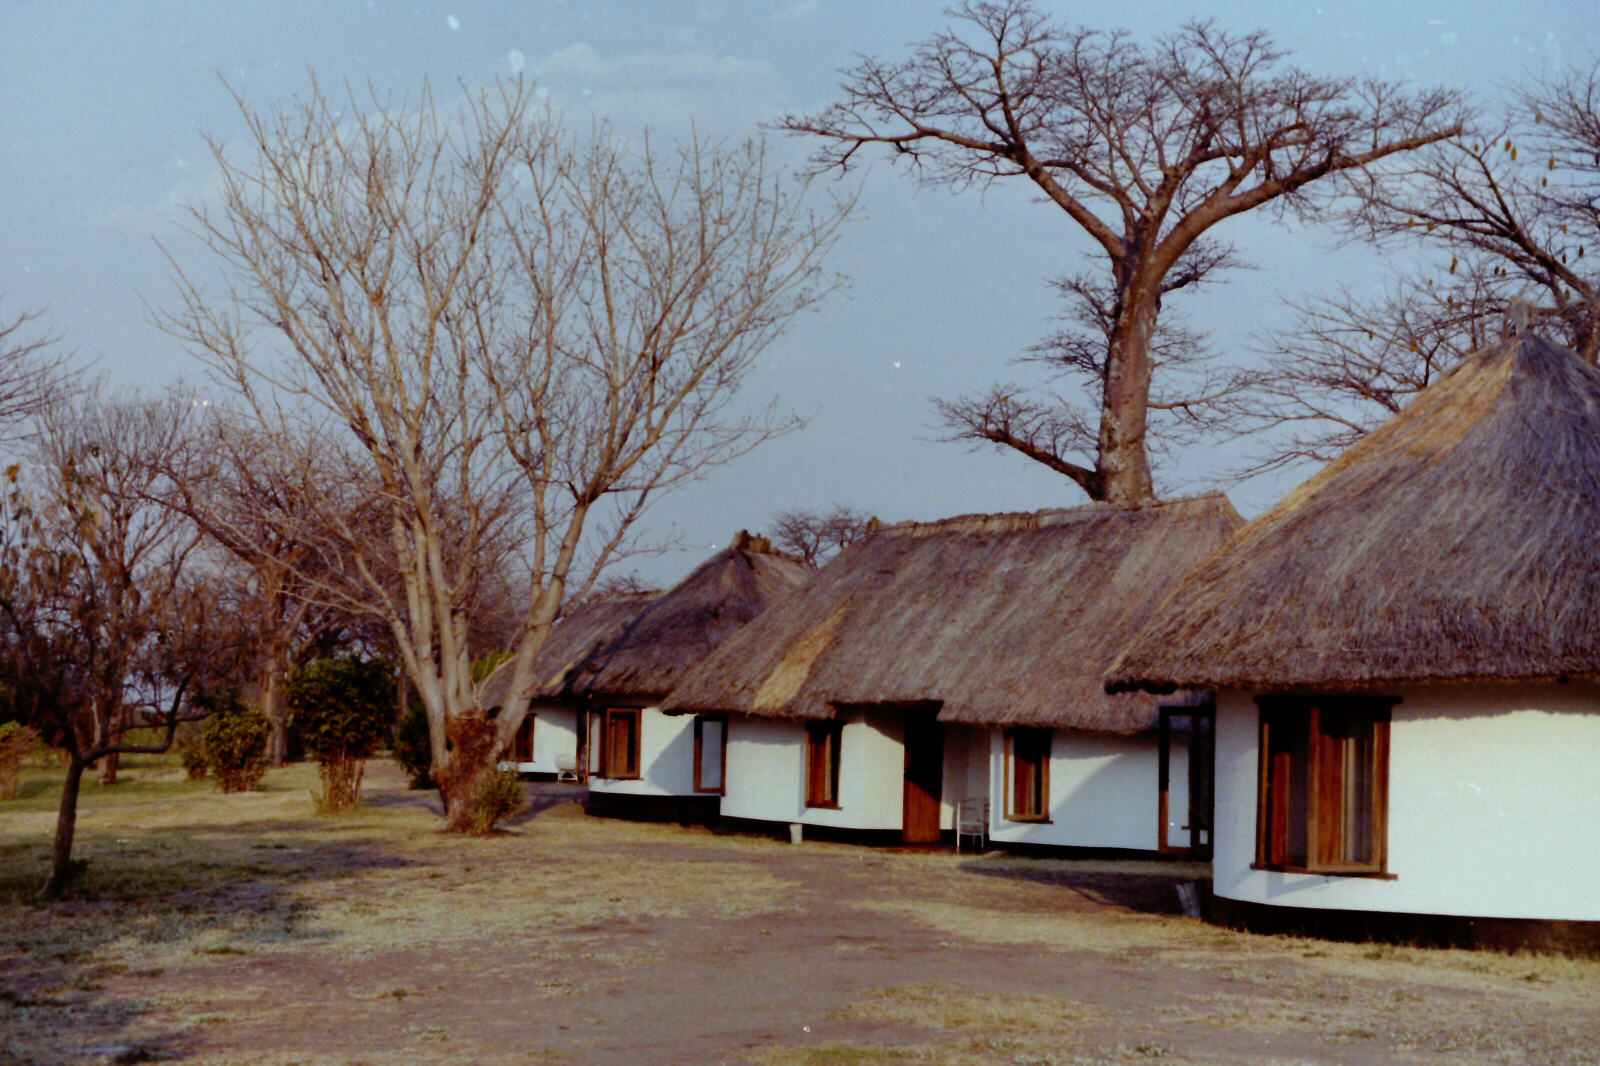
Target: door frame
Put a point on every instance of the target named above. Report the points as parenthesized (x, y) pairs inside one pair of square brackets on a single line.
[(923, 724), (1201, 754)]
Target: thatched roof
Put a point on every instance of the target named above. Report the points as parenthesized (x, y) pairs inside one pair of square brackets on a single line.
[(1460, 541), (691, 619), (1002, 619), (578, 634)]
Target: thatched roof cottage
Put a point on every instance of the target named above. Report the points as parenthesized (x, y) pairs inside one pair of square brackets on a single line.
[(1406, 651), (932, 663), (550, 740), (642, 763)]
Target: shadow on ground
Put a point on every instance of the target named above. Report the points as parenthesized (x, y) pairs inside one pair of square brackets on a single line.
[(228, 889), (1142, 891)]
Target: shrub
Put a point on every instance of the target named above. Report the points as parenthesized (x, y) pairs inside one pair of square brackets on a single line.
[(191, 748), (499, 796), (413, 751), (236, 744), (344, 711), (17, 742)]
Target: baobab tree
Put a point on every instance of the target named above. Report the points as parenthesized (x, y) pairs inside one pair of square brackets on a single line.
[(513, 334), (1146, 151)]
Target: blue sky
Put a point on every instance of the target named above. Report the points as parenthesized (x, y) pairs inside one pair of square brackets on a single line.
[(105, 106)]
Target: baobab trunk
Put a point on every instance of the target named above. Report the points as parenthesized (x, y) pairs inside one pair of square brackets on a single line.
[(1124, 459)]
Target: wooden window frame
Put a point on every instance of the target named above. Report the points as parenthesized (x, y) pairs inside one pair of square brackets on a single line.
[(1041, 774), (1320, 716), (722, 770), (823, 740), (608, 757)]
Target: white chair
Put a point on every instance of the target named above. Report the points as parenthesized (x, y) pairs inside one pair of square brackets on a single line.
[(972, 820)]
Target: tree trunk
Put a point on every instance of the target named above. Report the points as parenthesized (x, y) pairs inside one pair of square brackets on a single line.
[(473, 753), (105, 726), (1124, 460), (66, 827), (269, 698)]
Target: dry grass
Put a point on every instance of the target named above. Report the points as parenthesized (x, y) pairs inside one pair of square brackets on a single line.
[(947, 1007), (242, 928)]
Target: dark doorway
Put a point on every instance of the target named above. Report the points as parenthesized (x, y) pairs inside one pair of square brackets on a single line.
[(1187, 776), (924, 776)]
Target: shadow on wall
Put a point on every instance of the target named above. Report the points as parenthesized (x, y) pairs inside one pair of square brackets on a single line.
[(672, 769)]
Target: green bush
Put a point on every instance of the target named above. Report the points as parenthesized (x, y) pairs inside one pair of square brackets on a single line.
[(236, 744), (413, 751), (17, 742), (191, 748), (499, 796), (344, 711)]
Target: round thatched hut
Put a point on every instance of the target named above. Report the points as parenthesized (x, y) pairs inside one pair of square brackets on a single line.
[(549, 742), (646, 764), (1406, 652)]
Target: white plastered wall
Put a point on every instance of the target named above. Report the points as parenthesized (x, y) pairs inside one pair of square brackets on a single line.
[(666, 757), (1103, 793), (555, 739), (767, 772), (1493, 802)]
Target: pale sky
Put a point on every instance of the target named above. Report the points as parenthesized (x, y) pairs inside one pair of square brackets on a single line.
[(103, 107)]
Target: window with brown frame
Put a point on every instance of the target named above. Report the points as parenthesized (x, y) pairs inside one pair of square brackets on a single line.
[(1324, 784), (619, 742), (522, 742), (1028, 775), (822, 763)]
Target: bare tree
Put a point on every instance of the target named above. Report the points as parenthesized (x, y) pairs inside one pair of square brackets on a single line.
[(816, 536), (1350, 363), (105, 624), (1146, 151), (519, 336), (1510, 208), (33, 373), (1514, 204), (251, 499)]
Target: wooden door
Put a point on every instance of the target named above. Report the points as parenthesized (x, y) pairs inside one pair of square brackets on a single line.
[(924, 777)]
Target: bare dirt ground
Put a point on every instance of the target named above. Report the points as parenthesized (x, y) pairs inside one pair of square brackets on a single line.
[(281, 938)]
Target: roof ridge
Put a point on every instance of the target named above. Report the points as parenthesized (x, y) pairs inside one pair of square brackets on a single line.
[(1016, 521)]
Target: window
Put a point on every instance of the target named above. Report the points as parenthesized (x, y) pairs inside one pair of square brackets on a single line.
[(822, 763), (1324, 790), (619, 742), (1028, 774), (710, 752), (522, 742)]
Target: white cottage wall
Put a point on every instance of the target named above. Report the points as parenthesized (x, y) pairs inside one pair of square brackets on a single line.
[(555, 739), (767, 767), (1493, 800), (666, 758), (1103, 793)]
